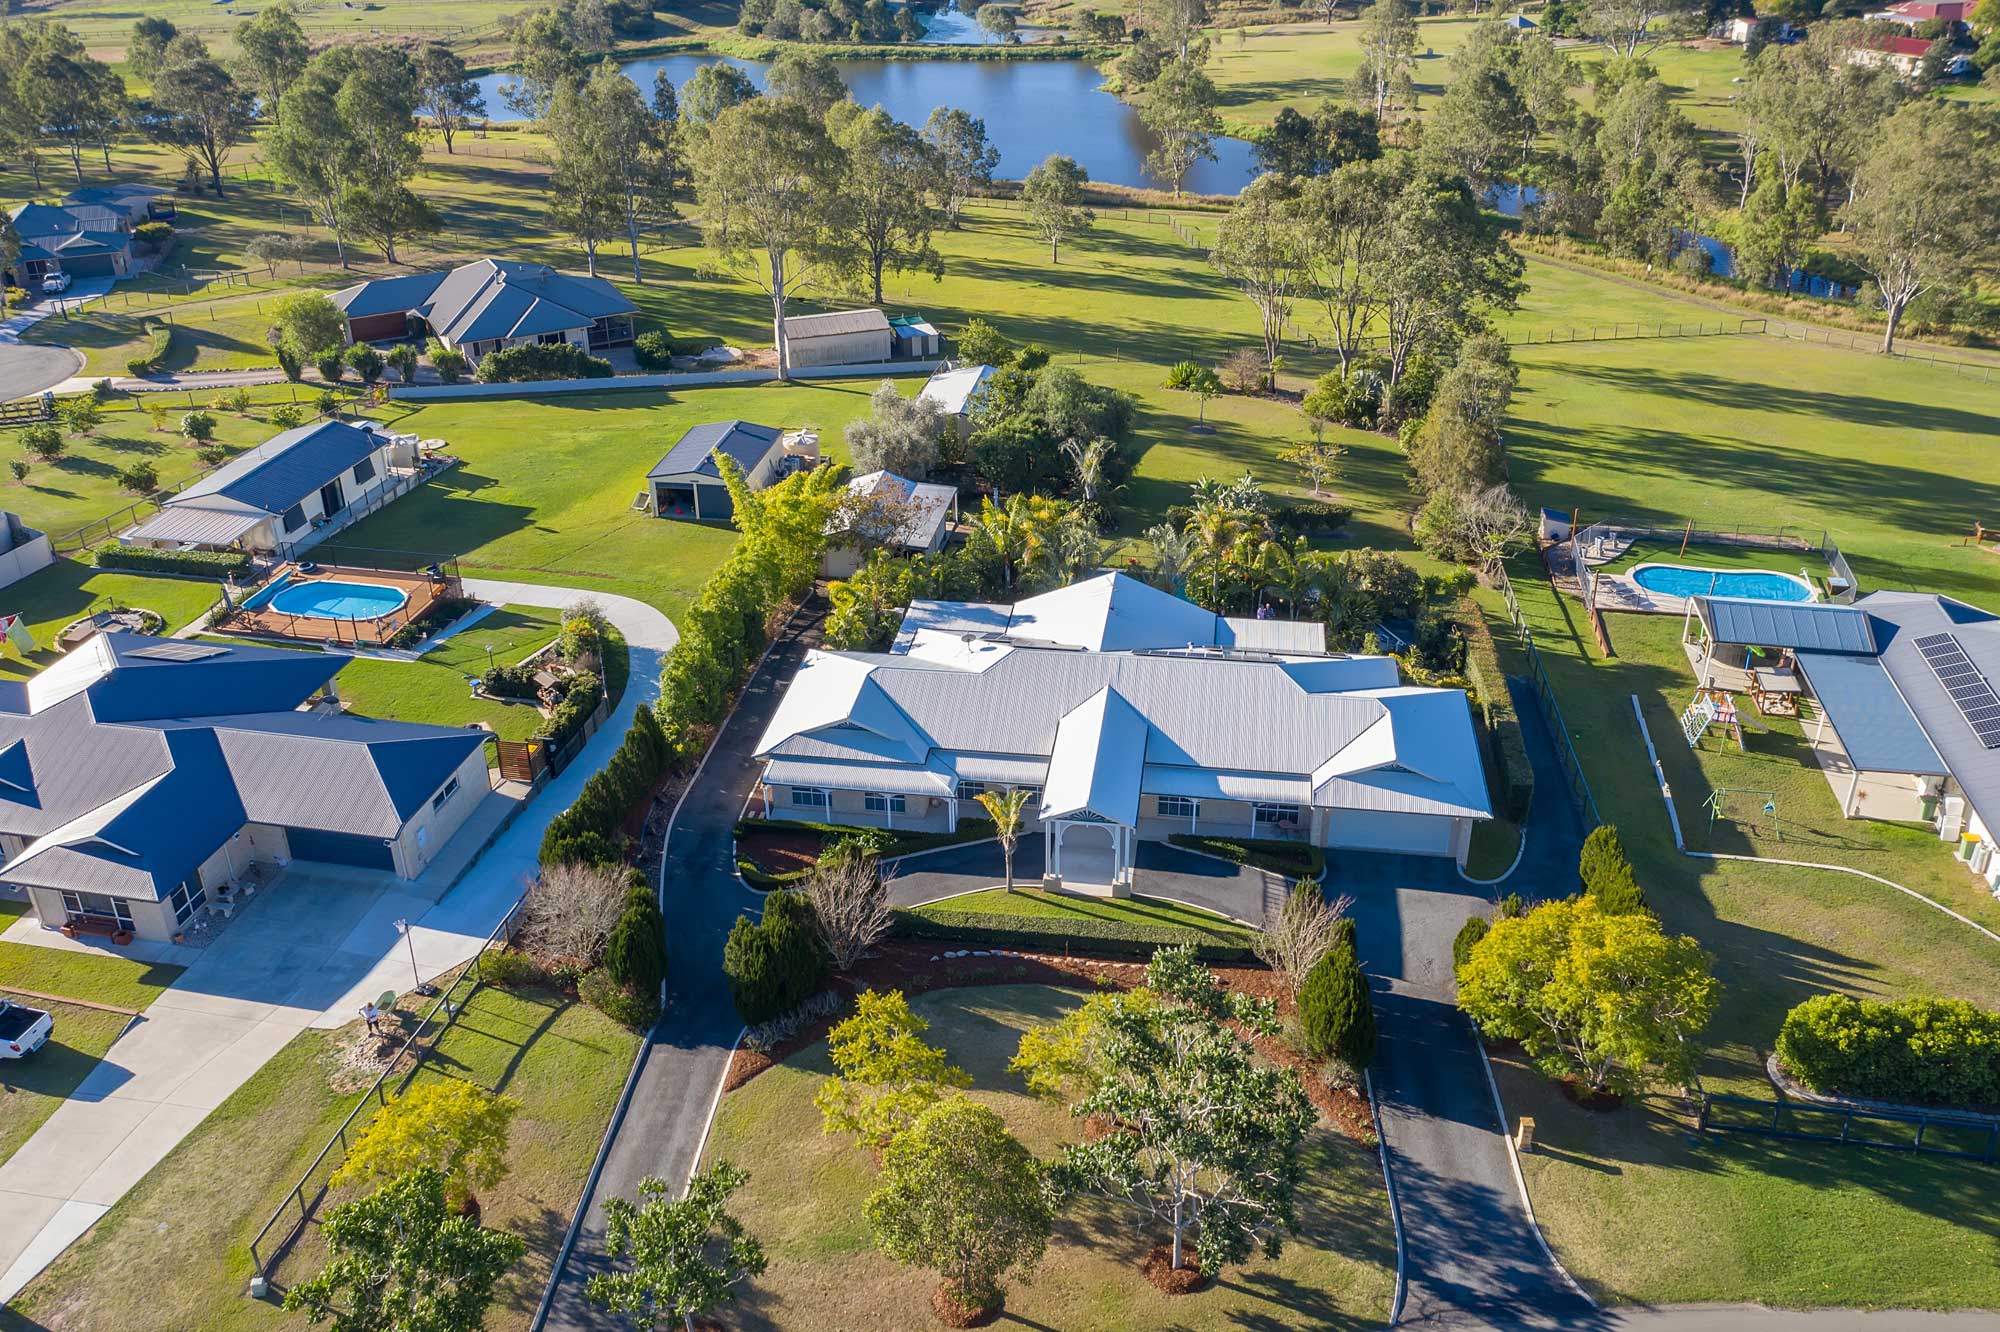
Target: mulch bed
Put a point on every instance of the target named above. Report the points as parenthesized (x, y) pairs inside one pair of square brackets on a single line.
[(780, 851), (1598, 1102), (916, 968), (1186, 1279), (953, 1314)]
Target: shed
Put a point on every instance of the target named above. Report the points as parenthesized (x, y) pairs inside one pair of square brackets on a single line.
[(915, 337), (840, 337), (687, 483)]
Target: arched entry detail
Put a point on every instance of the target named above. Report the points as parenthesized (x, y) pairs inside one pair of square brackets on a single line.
[(1089, 855)]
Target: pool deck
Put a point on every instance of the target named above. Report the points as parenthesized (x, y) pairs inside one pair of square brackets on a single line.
[(1622, 592), (419, 590)]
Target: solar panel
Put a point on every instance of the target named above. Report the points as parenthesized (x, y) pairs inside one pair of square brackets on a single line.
[(178, 651), (1969, 690)]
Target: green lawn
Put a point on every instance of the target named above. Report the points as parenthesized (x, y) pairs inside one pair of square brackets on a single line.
[(68, 590), (179, 1240), (35, 1086), (434, 687), (1155, 912), (803, 1202), (87, 976)]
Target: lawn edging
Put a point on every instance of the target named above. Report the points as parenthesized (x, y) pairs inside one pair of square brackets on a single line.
[(1395, 1200), (1520, 1180)]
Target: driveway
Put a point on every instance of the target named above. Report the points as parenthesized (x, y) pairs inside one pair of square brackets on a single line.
[(303, 953), (25, 369), (1164, 870)]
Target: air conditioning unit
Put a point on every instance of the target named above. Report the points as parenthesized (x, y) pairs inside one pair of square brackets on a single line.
[(1951, 818), (1982, 857)]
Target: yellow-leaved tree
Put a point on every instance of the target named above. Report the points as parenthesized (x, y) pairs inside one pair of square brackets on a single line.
[(453, 1127)]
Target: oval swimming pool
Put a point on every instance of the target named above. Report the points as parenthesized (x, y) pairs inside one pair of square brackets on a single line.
[(330, 599), (1681, 580)]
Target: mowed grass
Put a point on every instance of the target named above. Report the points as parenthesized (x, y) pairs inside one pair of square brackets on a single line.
[(435, 687), (37, 1085), (806, 1189), (69, 589), (1153, 912), (179, 1240), (92, 977)]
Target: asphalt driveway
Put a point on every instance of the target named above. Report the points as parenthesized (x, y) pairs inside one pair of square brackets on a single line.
[(1164, 871)]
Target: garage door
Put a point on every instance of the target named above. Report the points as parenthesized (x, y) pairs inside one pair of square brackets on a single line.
[(1417, 834), (333, 848)]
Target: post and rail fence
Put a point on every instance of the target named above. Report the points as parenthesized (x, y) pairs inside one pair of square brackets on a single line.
[(1928, 1132)]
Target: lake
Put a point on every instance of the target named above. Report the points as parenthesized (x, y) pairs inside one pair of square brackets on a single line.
[(1031, 107)]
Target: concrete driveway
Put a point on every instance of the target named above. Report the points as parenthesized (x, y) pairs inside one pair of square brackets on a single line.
[(26, 370)]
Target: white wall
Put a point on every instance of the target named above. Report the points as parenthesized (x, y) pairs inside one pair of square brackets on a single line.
[(31, 556), (429, 830)]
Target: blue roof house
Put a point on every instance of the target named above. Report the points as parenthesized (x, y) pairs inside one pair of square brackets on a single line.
[(141, 778), (490, 304)]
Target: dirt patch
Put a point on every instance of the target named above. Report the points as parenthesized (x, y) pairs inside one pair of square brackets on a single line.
[(780, 850), (1187, 1279)]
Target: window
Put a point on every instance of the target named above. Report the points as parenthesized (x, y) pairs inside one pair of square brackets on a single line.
[(443, 797), (811, 797), (96, 904), (1274, 814), (1179, 807), (186, 900), (295, 517), (552, 339), (878, 803), (364, 471), (971, 790)]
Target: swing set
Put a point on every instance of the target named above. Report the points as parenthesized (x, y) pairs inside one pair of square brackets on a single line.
[(1770, 807)]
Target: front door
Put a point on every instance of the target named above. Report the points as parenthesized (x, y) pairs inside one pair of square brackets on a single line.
[(331, 500)]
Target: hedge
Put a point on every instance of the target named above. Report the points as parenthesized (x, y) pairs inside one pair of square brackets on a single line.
[(144, 559), (1513, 774), (534, 361), (1935, 1051), (586, 691), (1294, 860), (1059, 934), (887, 842), (162, 340), (588, 829), (775, 964)]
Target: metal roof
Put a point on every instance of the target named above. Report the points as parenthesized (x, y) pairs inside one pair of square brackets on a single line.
[(1875, 725), (1774, 624), (191, 524), (390, 295), (284, 469), (957, 391), (922, 508), (1904, 617), (1111, 613), (747, 444), (489, 299), (835, 323), (1095, 766)]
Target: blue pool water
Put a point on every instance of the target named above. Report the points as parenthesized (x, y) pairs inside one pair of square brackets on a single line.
[(329, 599), (1678, 580)]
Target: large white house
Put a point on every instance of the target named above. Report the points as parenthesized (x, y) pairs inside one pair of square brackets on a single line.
[(1132, 714)]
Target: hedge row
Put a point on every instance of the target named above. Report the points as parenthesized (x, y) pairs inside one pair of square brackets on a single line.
[(1294, 860), (1513, 774), (887, 843), (534, 361), (144, 559), (161, 340), (1935, 1051), (1056, 935), (588, 829)]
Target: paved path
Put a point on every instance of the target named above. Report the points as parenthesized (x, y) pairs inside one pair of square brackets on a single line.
[(304, 953), (1471, 1252), (687, 1054)]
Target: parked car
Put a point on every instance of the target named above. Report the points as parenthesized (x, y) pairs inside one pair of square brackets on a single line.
[(23, 1030), (55, 284)]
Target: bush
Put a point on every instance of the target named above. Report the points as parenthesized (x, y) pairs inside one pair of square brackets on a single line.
[(141, 478), (586, 691), (448, 362), (367, 362), (654, 350), (1336, 1016), (288, 416), (509, 682), (80, 415), (332, 365), (1059, 934), (510, 970), (535, 361), (1294, 860), (44, 439), (289, 362), (1936, 1051), (198, 426), (1467, 939), (636, 953), (153, 235), (586, 848), (1513, 773), (160, 342), (633, 1009), (1310, 519), (589, 824), (775, 964), (144, 559), (1607, 873)]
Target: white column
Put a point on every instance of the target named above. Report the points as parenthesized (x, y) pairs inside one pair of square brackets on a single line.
[(1853, 786)]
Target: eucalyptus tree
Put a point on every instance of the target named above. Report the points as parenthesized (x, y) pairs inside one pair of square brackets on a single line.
[(1388, 55), (1261, 246), (147, 48), (1345, 219), (447, 94), (1812, 112), (274, 52), (1630, 27), (889, 171), (346, 140), (1180, 111), (809, 78), (613, 162), (200, 110), (961, 161), (63, 92), (1053, 192)]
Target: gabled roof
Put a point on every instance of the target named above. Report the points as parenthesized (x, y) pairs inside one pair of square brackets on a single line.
[(390, 295), (1097, 761), (1903, 618), (747, 444), (489, 299), (918, 509), (1775, 624), (957, 391), (281, 471), (837, 323), (1110, 613)]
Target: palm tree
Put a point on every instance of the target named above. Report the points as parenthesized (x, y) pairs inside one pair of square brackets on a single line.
[(1216, 529), (1173, 551), (1007, 808), (1087, 456)]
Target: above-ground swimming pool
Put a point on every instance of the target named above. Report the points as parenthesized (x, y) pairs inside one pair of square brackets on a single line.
[(331, 599), (1680, 580)]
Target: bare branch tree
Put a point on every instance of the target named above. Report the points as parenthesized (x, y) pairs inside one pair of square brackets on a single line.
[(572, 908), (1299, 933), (850, 899)]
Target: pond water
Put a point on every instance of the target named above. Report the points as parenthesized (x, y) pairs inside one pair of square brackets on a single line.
[(952, 26), (1031, 107)]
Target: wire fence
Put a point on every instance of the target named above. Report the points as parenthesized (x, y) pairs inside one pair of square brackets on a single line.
[(1567, 758)]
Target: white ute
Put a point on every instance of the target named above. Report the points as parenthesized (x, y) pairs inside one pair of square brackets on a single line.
[(23, 1030)]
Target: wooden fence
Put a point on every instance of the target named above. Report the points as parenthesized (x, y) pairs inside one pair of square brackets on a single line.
[(1930, 1132)]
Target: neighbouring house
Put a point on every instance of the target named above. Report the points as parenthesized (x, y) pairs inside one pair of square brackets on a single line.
[(1738, 31), (1131, 715), (305, 483), (84, 240), (887, 510), (958, 390), (489, 304), (137, 203), (23, 550), (141, 777), (688, 484), (1913, 12), (1902, 54), (1908, 725), (840, 337)]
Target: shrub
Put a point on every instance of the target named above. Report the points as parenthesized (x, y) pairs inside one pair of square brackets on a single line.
[(19, 467), (535, 361), (509, 681), (1085, 934), (44, 439), (403, 357), (144, 559), (1607, 873), (288, 416), (198, 426), (633, 1009), (160, 340), (582, 848), (449, 363), (332, 365), (1309, 519), (328, 404), (510, 970), (775, 964), (80, 415), (1294, 860), (211, 454), (654, 350), (239, 402), (289, 362), (1336, 1016), (1937, 1051), (141, 478), (1467, 938), (153, 235), (586, 691), (636, 953), (367, 362)]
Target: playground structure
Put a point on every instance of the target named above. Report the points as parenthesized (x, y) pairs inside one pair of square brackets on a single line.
[(1984, 538), (1766, 806)]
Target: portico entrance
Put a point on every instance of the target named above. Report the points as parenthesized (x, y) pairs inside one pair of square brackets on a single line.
[(1087, 855)]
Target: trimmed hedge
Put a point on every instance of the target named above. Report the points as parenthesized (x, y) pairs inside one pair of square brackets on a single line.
[(654, 350), (162, 341), (1607, 873), (1513, 776), (1294, 860), (1469, 934), (588, 830), (144, 559), (509, 682), (1336, 1014), (775, 964), (1058, 934), (1935, 1051), (534, 361)]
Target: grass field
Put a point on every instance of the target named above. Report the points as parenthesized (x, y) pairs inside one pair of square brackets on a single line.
[(1158, 913), (434, 688), (88, 976), (179, 1240), (37, 1085), (804, 1199)]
